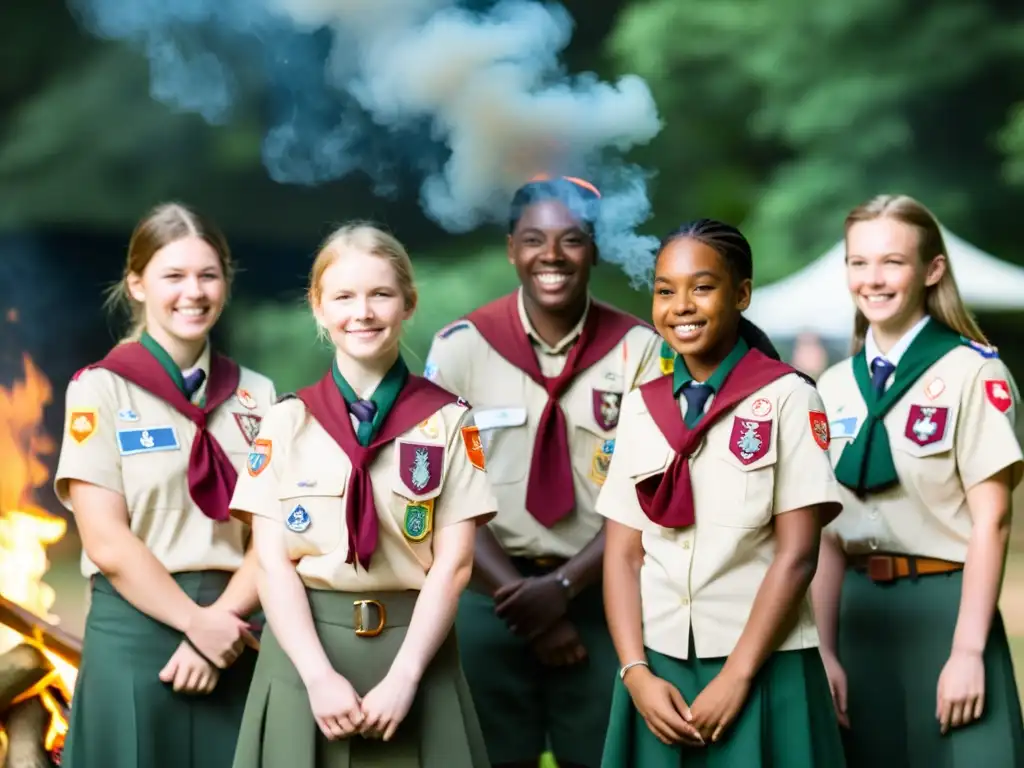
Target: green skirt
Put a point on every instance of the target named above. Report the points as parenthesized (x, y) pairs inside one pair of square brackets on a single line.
[(123, 716), (787, 721), (894, 639), (278, 729)]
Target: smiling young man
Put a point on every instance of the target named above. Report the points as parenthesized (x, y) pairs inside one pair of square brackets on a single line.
[(545, 369)]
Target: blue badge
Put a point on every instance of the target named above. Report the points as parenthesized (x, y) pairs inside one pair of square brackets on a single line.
[(982, 349), (298, 519), (127, 414), (448, 330), (149, 440), (430, 370), (608, 448), (843, 427)]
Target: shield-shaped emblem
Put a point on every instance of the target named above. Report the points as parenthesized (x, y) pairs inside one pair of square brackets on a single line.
[(998, 393), (259, 457), (420, 466), (82, 423), (750, 439), (819, 429), (926, 424), (601, 461), (249, 424), (419, 520), (606, 408)]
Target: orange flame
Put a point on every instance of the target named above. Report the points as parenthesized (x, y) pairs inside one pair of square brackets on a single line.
[(26, 529)]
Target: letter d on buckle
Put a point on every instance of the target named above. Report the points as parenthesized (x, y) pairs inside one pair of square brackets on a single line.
[(361, 615)]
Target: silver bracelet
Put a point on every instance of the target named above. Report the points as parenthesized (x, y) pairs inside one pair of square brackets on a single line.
[(627, 667)]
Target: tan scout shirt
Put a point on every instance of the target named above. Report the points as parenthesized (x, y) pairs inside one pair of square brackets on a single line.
[(307, 467), (704, 578), (507, 406), (154, 480), (969, 437)]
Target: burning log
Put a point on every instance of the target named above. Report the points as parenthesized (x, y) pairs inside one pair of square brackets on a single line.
[(26, 730), (27, 624), (21, 669)]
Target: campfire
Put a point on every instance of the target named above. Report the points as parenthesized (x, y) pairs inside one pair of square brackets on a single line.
[(38, 661)]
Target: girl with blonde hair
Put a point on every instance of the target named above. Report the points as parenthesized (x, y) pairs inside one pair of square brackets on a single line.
[(922, 420), (364, 491)]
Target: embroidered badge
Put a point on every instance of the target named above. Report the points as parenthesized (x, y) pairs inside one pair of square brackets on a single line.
[(845, 427), (150, 440), (750, 439), (247, 400), (419, 520), (998, 393), (298, 519), (474, 448), (429, 427), (819, 428), (82, 423), (420, 466), (982, 349), (606, 408), (761, 407), (430, 370), (666, 359), (127, 414), (926, 424), (934, 388), (259, 456), (600, 462), (249, 423)]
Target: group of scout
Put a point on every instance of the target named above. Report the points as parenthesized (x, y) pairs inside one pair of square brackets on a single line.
[(575, 533)]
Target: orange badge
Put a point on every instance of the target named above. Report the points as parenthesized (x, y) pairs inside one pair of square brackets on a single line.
[(259, 456), (82, 423), (819, 429), (998, 393), (474, 448)]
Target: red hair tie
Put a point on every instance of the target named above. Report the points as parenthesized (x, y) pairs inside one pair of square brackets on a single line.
[(577, 181)]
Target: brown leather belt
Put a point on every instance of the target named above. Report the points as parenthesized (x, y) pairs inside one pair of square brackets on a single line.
[(885, 568)]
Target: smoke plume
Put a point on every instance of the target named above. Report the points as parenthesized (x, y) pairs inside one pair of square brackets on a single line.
[(472, 101)]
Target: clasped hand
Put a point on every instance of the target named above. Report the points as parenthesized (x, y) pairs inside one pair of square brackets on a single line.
[(219, 635), (340, 712)]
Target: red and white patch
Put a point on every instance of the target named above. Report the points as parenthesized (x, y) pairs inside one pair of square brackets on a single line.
[(934, 388), (998, 393), (926, 424), (247, 400), (249, 424), (750, 439), (819, 429), (761, 407)]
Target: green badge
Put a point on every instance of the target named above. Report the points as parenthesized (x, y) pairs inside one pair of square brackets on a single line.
[(419, 517), (667, 358)]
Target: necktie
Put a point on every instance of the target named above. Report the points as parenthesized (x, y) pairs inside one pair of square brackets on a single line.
[(696, 397), (881, 370), (363, 410), (193, 381)]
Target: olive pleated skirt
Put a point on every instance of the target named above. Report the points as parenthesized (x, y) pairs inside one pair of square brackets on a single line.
[(123, 716), (787, 721), (894, 639), (279, 731)]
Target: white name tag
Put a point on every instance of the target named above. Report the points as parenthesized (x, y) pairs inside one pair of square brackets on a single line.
[(500, 417)]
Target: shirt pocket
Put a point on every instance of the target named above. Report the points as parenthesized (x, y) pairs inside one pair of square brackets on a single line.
[(926, 431), (313, 511), (739, 491), (505, 437), (923, 447), (594, 414), (417, 483)]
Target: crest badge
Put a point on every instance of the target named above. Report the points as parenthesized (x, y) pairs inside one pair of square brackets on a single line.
[(418, 520), (998, 393), (601, 461), (246, 399), (429, 427), (249, 423), (420, 466), (761, 407), (819, 429), (934, 388), (926, 424), (82, 424), (298, 519), (750, 439), (606, 408), (259, 457), (474, 447)]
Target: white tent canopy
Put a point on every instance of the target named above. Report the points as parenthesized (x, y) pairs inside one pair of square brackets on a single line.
[(816, 299)]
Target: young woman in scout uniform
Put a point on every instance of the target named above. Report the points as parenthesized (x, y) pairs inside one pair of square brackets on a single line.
[(715, 499), (545, 368), (925, 451), (364, 492), (156, 432)]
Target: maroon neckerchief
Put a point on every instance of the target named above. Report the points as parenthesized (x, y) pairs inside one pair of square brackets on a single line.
[(550, 494), (667, 498), (211, 475), (419, 400)]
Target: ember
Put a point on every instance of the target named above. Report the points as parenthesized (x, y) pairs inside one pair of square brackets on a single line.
[(38, 662)]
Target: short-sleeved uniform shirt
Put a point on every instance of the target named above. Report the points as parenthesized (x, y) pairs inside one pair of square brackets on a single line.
[(508, 405), (704, 578), (119, 436), (953, 429), (306, 468)]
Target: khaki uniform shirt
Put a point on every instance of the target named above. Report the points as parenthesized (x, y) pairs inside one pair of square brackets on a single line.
[(121, 437), (704, 578), (306, 467), (951, 430), (507, 406)]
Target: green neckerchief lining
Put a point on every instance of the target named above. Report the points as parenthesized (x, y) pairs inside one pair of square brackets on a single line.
[(167, 363), (681, 374), (384, 397)]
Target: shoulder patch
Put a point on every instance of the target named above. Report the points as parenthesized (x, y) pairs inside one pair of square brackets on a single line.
[(451, 328), (981, 349), (286, 396)]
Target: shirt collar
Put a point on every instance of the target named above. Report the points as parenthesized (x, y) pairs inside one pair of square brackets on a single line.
[(871, 350), (681, 376), (564, 343)]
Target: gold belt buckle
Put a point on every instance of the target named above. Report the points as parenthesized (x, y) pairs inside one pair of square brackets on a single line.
[(361, 615)]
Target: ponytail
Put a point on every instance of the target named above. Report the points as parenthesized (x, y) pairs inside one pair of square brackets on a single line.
[(757, 339)]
